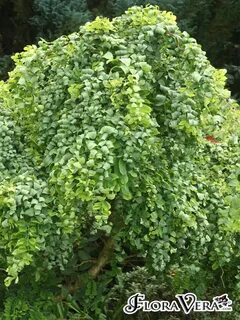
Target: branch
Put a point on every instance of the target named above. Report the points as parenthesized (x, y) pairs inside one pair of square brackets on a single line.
[(103, 258)]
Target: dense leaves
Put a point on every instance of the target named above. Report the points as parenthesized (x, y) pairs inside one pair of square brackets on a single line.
[(54, 18), (119, 142), (215, 24)]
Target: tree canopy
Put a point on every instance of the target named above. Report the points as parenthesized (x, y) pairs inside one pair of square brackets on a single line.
[(214, 24), (119, 149)]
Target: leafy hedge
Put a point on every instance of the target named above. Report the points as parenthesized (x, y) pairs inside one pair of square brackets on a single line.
[(119, 148)]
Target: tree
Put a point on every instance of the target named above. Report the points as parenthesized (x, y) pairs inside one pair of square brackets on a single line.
[(54, 18), (119, 145)]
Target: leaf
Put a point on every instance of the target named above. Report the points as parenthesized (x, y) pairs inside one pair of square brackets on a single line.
[(126, 61), (159, 29), (160, 99), (108, 55), (201, 196), (126, 192), (29, 212), (5, 223), (196, 76), (91, 144), (122, 167), (21, 81)]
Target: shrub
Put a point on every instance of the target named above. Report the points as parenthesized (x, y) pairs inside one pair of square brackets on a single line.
[(53, 18), (117, 143)]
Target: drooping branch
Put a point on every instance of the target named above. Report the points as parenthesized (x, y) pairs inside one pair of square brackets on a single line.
[(103, 258), (93, 272)]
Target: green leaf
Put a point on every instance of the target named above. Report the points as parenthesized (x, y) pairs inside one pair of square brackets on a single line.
[(126, 61), (108, 55), (122, 167)]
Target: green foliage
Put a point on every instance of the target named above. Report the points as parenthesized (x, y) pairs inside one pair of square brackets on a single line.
[(53, 18), (139, 280), (215, 25), (18, 309), (118, 7), (121, 134), (27, 304), (127, 284)]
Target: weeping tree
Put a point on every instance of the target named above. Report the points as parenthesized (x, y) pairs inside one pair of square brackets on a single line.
[(119, 147)]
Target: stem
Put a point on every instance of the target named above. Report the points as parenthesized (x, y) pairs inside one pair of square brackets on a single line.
[(103, 258)]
